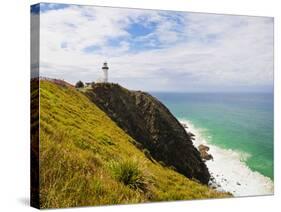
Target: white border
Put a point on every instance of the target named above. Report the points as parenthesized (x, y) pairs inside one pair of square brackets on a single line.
[(14, 113)]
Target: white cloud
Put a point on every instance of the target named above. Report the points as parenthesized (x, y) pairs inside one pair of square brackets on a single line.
[(198, 51)]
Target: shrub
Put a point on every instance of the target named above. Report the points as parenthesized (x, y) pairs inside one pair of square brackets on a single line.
[(79, 84), (147, 154), (173, 168), (93, 84), (162, 163), (138, 145), (129, 173)]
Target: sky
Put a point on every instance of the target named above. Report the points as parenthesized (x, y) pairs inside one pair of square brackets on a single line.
[(154, 50)]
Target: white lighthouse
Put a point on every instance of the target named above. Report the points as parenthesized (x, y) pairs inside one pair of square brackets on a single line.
[(105, 72)]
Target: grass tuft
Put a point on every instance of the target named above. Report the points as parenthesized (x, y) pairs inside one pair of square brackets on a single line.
[(131, 175)]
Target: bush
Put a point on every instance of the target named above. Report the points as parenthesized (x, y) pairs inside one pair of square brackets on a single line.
[(147, 154), (162, 163), (79, 84), (129, 173), (138, 145), (173, 168), (93, 84)]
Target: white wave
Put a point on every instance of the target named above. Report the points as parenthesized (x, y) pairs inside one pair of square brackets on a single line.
[(228, 169)]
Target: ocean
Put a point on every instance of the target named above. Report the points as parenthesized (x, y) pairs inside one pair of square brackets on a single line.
[(238, 128)]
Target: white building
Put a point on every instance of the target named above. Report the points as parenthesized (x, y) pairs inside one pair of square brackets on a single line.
[(105, 72)]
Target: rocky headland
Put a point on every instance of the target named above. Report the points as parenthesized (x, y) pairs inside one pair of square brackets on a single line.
[(157, 132)]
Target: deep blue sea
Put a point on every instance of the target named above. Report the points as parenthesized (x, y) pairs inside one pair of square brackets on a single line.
[(241, 122)]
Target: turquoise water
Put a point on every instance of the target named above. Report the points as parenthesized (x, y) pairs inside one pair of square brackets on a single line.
[(239, 121)]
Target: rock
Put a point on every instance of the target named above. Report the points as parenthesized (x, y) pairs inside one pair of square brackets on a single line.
[(213, 186), (190, 134), (238, 183), (203, 149), (184, 125), (151, 124), (206, 156)]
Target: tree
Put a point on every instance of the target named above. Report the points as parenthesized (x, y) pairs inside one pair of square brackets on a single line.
[(79, 84)]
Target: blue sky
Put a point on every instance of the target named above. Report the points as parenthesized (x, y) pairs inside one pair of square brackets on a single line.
[(157, 50)]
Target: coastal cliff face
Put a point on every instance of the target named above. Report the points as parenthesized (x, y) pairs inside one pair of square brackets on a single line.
[(150, 123)]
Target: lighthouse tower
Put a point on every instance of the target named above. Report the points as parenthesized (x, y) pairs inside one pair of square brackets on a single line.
[(105, 72)]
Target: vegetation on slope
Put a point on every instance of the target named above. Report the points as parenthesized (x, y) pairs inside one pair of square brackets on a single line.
[(34, 139), (86, 159)]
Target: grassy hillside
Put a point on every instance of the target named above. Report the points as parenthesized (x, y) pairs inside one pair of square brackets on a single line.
[(86, 159)]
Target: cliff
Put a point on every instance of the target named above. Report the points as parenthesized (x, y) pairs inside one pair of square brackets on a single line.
[(157, 132)]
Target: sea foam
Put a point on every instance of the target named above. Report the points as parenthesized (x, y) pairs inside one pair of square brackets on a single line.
[(228, 169)]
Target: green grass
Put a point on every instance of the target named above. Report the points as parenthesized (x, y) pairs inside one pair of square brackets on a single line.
[(86, 159), (130, 174)]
